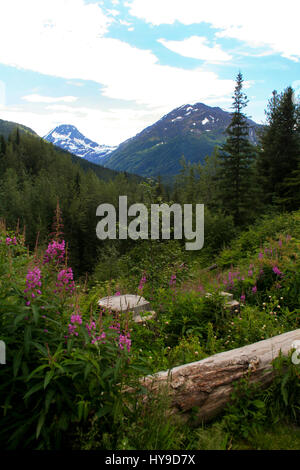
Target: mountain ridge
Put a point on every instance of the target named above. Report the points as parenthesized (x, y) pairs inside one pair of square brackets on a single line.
[(191, 131)]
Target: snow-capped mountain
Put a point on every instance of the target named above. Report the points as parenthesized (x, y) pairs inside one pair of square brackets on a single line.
[(192, 131), (69, 138)]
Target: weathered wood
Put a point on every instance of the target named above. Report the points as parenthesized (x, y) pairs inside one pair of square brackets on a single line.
[(208, 383), (212, 267), (140, 307)]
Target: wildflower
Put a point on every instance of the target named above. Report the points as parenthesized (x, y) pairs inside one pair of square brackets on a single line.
[(118, 293), (33, 282), (277, 271), (55, 251), (115, 327), (173, 280), (124, 340), (142, 282), (75, 320), (90, 327), (243, 298), (65, 281), (11, 241), (260, 255), (99, 338), (254, 289)]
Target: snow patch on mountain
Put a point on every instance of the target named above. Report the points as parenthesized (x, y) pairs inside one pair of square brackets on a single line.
[(69, 138)]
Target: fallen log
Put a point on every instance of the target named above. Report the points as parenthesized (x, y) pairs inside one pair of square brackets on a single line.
[(208, 384)]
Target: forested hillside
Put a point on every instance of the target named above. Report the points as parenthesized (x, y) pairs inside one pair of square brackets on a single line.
[(35, 176)]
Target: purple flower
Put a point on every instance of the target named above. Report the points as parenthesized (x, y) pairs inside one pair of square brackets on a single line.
[(55, 251), (65, 281), (254, 289), (277, 271), (33, 280), (142, 282), (243, 298), (173, 280), (124, 340)]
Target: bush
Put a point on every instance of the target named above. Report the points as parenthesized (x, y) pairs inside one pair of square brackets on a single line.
[(62, 369)]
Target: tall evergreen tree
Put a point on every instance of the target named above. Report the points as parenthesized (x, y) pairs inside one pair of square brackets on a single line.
[(280, 146), (236, 174)]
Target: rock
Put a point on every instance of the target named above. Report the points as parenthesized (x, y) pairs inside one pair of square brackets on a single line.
[(233, 305), (129, 302), (226, 294), (142, 319)]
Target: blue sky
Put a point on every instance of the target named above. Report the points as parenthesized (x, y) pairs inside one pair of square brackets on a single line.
[(113, 67)]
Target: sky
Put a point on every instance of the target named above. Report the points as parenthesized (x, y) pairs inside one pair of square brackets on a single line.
[(113, 67)]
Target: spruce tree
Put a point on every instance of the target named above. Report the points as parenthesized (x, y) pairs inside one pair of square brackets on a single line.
[(279, 147), (236, 174)]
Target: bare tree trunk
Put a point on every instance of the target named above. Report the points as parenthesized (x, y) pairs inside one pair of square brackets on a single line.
[(208, 383)]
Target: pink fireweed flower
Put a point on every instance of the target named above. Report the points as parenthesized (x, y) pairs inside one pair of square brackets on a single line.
[(260, 255), (254, 289), (277, 271), (99, 338), (142, 282), (65, 282), (75, 320), (55, 251), (173, 280), (125, 341), (90, 327), (33, 283), (115, 327), (118, 293), (11, 241), (243, 298)]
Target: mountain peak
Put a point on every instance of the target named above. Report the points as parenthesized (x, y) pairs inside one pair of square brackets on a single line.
[(190, 130), (68, 137)]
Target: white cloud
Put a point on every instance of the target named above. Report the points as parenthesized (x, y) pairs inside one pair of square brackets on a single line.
[(2, 93), (113, 12), (34, 98), (109, 127), (197, 47), (65, 38), (266, 23)]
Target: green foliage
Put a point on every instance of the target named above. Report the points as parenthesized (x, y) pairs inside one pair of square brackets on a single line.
[(280, 149), (34, 175), (55, 376), (236, 175), (189, 313)]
